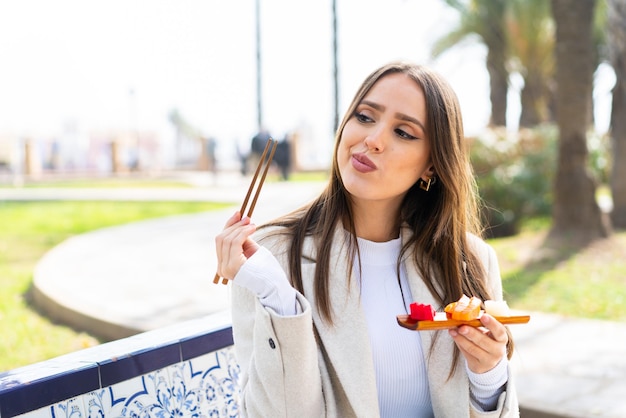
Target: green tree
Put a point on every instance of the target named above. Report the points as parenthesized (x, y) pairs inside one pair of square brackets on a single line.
[(617, 53), (519, 36), (530, 30), (576, 214), (485, 19)]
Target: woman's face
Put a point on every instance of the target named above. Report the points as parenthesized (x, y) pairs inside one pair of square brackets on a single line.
[(383, 148)]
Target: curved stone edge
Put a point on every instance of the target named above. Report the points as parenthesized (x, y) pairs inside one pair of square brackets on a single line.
[(99, 328)]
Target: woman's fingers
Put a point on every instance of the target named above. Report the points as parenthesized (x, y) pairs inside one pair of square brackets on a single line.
[(497, 331), (233, 245), (233, 219), (482, 347)]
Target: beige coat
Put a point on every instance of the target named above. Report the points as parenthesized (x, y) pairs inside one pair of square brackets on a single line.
[(299, 366)]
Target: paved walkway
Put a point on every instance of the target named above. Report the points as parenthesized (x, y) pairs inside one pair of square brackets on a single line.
[(127, 279)]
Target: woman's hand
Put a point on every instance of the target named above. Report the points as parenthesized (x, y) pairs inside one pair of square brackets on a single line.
[(482, 347), (234, 245)]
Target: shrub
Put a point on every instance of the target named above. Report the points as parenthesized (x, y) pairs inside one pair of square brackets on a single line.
[(515, 173)]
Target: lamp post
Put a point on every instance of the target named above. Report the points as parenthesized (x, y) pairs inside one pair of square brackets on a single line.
[(335, 68), (259, 100)]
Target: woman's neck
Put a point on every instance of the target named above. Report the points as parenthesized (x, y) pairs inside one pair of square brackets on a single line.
[(376, 221)]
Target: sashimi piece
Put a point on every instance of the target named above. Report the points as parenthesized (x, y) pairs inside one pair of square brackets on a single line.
[(467, 312)]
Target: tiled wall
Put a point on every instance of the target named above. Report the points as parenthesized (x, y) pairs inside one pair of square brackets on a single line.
[(202, 387), (175, 373)]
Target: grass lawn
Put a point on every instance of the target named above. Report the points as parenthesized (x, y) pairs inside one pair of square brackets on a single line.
[(110, 182), (27, 231), (590, 283)]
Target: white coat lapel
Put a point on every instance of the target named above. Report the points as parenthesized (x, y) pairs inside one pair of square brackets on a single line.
[(346, 341)]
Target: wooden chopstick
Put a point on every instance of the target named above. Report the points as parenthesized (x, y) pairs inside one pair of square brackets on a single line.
[(271, 143)]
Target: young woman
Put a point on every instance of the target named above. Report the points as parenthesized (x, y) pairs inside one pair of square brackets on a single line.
[(316, 292)]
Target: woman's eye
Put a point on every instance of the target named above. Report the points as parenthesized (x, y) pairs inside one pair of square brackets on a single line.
[(362, 117), (405, 135)]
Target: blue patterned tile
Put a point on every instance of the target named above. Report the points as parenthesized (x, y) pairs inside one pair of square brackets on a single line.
[(46, 384), (196, 346), (185, 395), (136, 364), (71, 408), (144, 396), (45, 412), (97, 403), (216, 377), (188, 370)]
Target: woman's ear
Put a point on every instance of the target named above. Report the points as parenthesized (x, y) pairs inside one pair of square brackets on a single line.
[(429, 173)]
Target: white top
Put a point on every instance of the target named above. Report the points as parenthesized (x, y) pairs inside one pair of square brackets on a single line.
[(401, 377)]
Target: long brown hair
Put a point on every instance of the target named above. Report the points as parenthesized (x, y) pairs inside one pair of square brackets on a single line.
[(439, 219)]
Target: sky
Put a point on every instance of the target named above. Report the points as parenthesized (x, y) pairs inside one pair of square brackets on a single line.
[(126, 64)]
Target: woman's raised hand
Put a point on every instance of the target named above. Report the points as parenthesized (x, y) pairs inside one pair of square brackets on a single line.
[(234, 245)]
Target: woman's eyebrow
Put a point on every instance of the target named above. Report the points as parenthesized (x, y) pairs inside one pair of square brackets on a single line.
[(400, 116), (375, 105), (408, 118)]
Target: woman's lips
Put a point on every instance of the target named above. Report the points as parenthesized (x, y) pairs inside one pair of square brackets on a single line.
[(362, 164)]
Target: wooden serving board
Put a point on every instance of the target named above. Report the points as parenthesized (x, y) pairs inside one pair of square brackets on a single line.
[(441, 322)]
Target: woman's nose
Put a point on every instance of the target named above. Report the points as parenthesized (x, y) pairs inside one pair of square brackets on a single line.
[(375, 141)]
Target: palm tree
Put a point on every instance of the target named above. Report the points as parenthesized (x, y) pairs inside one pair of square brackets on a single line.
[(484, 18), (531, 41), (530, 28), (259, 66), (617, 52), (576, 214), (335, 67)]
